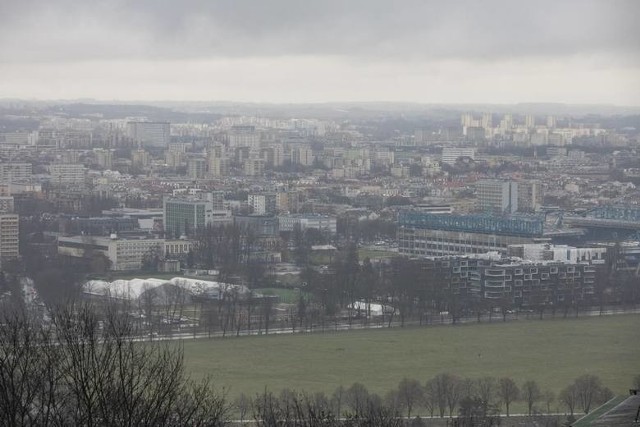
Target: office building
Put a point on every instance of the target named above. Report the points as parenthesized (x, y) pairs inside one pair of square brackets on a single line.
[(184, 216), (496, 196)]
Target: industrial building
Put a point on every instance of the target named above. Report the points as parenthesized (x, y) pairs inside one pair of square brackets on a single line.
[(428, 234)]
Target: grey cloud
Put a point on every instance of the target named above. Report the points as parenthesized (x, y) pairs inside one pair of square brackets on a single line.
[(65, 30)]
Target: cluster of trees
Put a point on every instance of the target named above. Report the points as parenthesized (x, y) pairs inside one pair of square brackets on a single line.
[(471, 401), (82, 368), (585, 393)]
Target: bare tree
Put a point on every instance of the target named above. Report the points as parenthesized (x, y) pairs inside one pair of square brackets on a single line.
[(92, 375), (356, 398), (430, 398), (591, 391), (337, 400), (437, 389), (508, 392), (531, 394), (410, 394), (569, 396), (27, 378), (636, 382), (487, 390), (453, 392), (242, 405), (549, 398)]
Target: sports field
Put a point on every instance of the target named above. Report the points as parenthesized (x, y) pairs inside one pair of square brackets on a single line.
[(552, 352)]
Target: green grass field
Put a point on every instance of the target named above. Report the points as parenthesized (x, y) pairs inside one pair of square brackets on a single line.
[(552, 352)]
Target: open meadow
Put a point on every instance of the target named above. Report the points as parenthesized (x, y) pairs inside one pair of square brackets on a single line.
[(552, 352)]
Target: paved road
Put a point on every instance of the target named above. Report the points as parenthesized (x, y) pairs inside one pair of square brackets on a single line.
[(345, 326)]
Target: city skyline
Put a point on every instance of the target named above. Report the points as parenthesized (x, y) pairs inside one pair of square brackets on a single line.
[(288, 52)]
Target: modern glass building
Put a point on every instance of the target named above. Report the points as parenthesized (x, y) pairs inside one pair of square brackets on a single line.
[(184, 216)]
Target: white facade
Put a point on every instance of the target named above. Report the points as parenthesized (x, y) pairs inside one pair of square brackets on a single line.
[(67, 173), (15, 171), (451, 154), (320, 222), (124, 254)]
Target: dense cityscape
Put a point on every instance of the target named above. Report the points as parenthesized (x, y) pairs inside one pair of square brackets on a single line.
[(202, 224), (320, 214)]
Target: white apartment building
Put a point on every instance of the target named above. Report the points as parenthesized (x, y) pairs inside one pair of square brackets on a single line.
[(306, 221), (15, 171), (451, 154), (67, 173), (6, 204)]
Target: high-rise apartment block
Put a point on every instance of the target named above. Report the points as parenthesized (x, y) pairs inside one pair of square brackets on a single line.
[(530, 196), (244, 136), (150, 134), (530, 121), (9, 248), (262, 204), (196, 167), (103, 157)]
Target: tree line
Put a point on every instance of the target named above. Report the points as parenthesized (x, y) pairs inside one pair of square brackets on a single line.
[(470, 401)]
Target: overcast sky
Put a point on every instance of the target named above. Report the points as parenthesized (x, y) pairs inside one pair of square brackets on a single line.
[(449, 51)]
